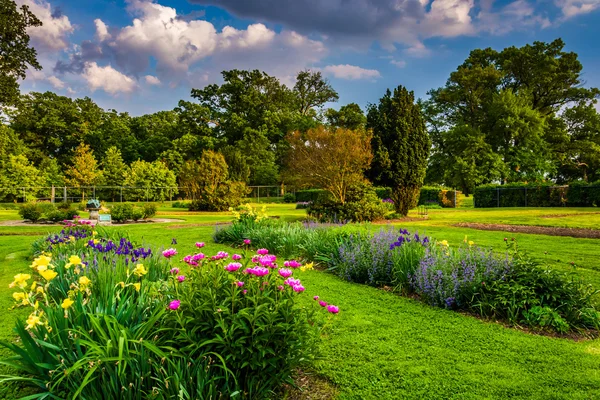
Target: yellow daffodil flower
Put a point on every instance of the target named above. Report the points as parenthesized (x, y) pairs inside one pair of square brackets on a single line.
[(20, 281), (140, 270), (41, 268), (137, 286), (33, 320), (33, 285), (42, 260), (19, 296), (40, 290), (471, 243), (72, 238), (67, 303), (96, 241), (122, 284), (48, 274), (305, 267), (75, 260), (94, 233), (444, 243)]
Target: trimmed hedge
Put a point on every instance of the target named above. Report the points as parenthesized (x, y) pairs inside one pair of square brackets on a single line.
[(303, 196), (537, 195)]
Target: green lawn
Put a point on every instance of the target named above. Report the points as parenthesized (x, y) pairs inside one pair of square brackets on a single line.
[(388, 347)]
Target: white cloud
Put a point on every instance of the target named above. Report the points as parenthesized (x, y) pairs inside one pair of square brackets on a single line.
[(101, 30), (108, 79), (55, 29), (351, 72), (448, 18), (55, 82), (572, 8), (398, 63), (519, 14), (417, 50), (152, 80)]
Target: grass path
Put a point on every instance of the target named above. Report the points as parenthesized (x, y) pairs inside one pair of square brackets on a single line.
[(382, 346)]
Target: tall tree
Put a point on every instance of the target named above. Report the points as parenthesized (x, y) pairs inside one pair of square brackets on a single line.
[(349, 116), (113, 170), (16, 55), (313, 91), (84, 171), (333, 160), (19, 178), (400, 147)]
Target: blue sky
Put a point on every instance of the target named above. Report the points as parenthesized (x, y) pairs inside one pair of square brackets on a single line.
[(143, 56)]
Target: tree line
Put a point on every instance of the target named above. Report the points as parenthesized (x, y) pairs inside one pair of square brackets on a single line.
[(515, 115)]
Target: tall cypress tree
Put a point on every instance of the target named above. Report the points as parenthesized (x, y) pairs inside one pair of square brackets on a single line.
[(400, 147)]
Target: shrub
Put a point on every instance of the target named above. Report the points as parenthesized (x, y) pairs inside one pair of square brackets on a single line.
[(383, 192), (180, 204), (528, 195), (137, 214), (289, 198), (121, 212), (149, 210), (310, 195), (303, 205), (31, 212), (224, 197), (362, 204)]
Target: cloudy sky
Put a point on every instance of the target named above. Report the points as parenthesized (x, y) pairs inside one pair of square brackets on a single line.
[(143, 56)]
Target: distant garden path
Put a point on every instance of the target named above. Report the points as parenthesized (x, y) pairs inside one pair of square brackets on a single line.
[(152, 221), (538, 230)]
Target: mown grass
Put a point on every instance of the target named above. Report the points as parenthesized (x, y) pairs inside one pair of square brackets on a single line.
[(388, 347)]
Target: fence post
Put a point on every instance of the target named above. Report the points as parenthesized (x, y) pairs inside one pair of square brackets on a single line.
[(52, 194), (258, 193), (65, 194)]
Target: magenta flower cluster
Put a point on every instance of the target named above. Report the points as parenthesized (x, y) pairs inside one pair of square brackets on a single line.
[(232, 267), (193, 260), (200, 245), (330, 307), (292, 264), (219, 256), (257, 271), (169, 253)]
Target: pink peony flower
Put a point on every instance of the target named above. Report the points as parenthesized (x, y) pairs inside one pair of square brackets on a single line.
[(286, 273), (239, 283), (333, 309), (316, 298), (169, 253), (262, 252), (198, 257), (233, 267), (280, 287), (200, 244), (322, 303), (246, 241), (193, 263), (187, 259), (174, 305), (292, 264), (219, 256), (181, 278), (292, 282), (236, 257), (255, 259), (174, 271), (257, 271), (244, 291), (298, 288)]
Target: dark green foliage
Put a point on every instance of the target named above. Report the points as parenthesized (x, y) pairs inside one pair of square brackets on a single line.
[(429, 195), (383, 192), (16, 55), (31, 212), (289, 198), (307, 195), (222, 199), (349, 116), (362, 204), (400, 147), (538, 297), (577, 194)]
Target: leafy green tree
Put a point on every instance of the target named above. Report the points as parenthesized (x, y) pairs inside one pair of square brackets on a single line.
[(510, 99), (15, 52), (10, 143), (313, 91), (113, 170), (349, 116), (84, 171), (400, 147), (260, 157), (579, 151), (208, 183), (52, 172), (334, 160), (239, 170), (150, 181), (18, 178), (155, 133)]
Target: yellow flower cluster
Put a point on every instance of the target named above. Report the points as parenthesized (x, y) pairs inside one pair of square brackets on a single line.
[(307, 267), (248, 211)]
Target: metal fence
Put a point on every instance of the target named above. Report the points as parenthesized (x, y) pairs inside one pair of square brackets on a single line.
[(538, 196), (121, 193)]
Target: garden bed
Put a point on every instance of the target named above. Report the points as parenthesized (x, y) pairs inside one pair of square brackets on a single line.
[(149, 221), (538, 230)]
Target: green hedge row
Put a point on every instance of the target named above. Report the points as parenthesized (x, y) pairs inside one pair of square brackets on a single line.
[(537, 195), (429, 195)]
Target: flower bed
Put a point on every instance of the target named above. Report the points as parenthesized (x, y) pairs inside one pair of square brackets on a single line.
[(110, 319)]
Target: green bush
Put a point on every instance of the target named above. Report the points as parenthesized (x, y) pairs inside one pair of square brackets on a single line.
[(362, 204), (310, 195), (149, 210), (429, 195), (137, 214), (180, 204), (383, 192), (31, 212), (225, 196), (532, 195), (289, 198), (121, 212)]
